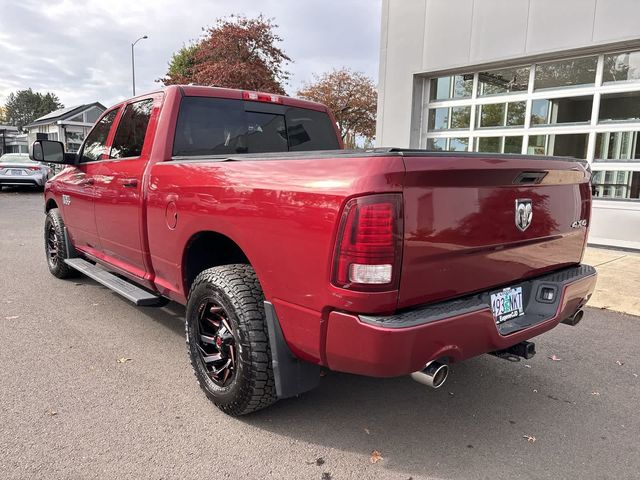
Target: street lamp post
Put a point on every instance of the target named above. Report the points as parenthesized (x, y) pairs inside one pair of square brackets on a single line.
[(133, 65)]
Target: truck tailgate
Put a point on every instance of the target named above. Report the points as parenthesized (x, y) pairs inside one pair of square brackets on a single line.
[(461, 232)]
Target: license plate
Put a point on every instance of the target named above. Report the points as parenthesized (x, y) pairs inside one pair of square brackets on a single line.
[(507, 304), (16, 172)]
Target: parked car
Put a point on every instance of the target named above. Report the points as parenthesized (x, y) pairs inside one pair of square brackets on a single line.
[(292, 254), (19, 169)]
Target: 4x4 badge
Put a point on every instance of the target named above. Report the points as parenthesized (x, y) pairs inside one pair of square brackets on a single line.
[(524, 213)]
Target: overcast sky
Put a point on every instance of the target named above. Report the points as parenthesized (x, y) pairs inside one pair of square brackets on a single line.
[(80, 50)]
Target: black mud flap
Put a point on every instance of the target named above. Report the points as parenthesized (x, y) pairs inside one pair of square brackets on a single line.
[(292, 375)]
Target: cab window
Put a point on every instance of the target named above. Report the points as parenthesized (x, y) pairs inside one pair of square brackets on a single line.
[(95, 146), (132, 130)]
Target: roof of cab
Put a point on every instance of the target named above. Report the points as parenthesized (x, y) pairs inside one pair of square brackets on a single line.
[(218, 92)]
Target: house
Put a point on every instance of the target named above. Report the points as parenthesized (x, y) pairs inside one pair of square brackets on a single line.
[(11, 141), (68, 125)]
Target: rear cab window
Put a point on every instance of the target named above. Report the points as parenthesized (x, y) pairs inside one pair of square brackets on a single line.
[(218, 126), (132, 130)]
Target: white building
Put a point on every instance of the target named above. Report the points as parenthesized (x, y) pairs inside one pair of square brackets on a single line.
[(11, 140), (556, 77), (68, 125)]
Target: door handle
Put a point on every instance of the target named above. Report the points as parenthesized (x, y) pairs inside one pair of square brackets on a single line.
[(129, 182)]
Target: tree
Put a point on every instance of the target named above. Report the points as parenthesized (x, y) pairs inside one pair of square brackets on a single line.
[(352, 98), (238, 52), (181, 66), (3, 115), (24, 106)]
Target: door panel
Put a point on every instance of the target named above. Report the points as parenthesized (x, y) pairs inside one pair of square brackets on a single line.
[(78, 185), (119, 189)]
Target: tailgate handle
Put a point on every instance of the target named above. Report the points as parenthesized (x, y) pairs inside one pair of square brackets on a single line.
[(530, 177)]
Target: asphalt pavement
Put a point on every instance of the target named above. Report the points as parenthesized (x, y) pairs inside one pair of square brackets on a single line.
[(70, 410)]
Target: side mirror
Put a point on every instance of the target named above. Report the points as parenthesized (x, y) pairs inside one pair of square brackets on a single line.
[(50, 152)]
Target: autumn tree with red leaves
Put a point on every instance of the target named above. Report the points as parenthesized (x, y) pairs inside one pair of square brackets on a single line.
[(353, 99), (237, 52)]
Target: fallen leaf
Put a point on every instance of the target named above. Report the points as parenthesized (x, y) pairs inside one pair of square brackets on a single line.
[(326, 476), (527, 366), (51, 413), (555, 358), (618, 362), (530, 438), (595, 393), (319, 461), (123, 360), (376, 456), (366, 430), (12, 317)]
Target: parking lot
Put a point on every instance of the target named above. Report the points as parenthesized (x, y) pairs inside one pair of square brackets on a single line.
[(69, 409)]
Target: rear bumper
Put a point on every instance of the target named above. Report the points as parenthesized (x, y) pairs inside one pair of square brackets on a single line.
[(395, 345), (35, 180)]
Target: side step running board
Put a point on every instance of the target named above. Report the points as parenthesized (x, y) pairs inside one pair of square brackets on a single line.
[(128, 290)]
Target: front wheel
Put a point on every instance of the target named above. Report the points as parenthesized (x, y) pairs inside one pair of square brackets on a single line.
[(227, 339), (55, 245)]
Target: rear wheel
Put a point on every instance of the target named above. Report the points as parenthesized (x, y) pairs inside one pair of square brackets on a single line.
[(227, 339), (55, 245)]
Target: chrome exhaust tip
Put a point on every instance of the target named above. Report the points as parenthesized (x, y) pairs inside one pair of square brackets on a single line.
[(575, 319), (433, 375)]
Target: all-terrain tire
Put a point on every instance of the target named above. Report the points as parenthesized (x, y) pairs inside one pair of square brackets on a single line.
[(236, 289), (55, 245)]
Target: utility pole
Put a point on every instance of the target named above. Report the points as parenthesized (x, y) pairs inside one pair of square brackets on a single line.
[(133, 64)]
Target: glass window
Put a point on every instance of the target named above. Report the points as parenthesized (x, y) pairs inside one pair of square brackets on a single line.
[(565, 145), (440, 88), (621, 67), (92, 115), (504, 80), (566, 73), (571, 145), (95, 145), (445, 118), (537, 145), (619, 107), (74, 140), (491, 115), (561, 110), (460, 117), (513, 145), (621, 184), (438, 118), (437, 144), (306, 130), (459, 144), (617, 146), (445, 88), (489, 144), (215, 126), (515, 114), (132, 130), (501, 114)]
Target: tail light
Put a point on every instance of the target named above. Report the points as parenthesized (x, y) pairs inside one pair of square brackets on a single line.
[(369, 244), (261, 97)]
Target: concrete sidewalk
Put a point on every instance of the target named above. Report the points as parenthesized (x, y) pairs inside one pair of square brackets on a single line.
[(618, 285)]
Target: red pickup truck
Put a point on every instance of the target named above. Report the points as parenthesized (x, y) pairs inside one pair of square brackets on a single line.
[(292, 254)]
